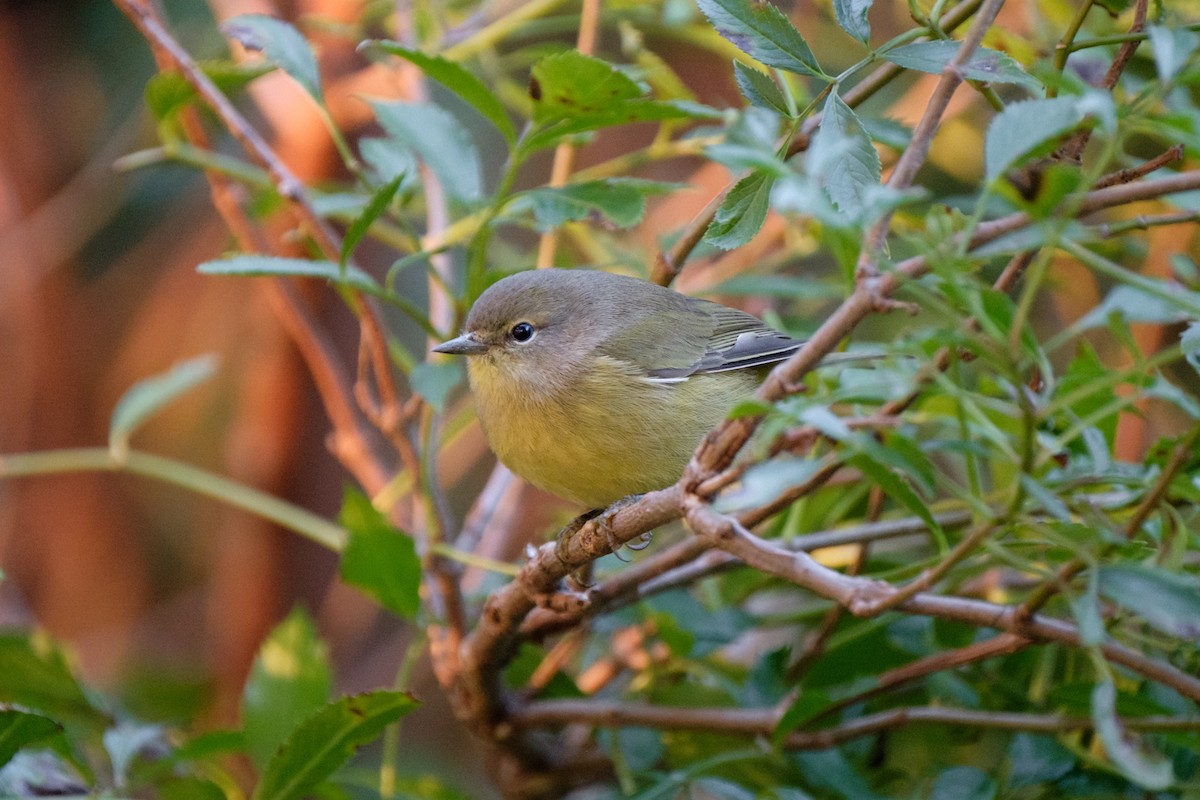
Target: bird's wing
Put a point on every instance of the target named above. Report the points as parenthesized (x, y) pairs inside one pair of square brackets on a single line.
[(734, 340)]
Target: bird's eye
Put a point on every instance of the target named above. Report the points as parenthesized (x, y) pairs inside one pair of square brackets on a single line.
[(521, 332)]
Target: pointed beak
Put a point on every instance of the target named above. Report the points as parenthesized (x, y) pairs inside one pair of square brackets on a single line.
[(465, 345)]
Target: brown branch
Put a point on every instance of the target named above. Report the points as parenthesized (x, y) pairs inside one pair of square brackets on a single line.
[(1001, 645), (763, 721), (1072, 149), (914, 155), (348, 442), (1129, 174)]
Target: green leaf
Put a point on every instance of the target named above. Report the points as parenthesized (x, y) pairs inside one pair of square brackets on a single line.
[(20, 729), (36, 677), (290, 679), (1045, 499), (963, 783), (760, 90), (1144, 767), (440, 140), (1169, 601), (763, 483), (990, 66), (275, 267), (362, 223), (570, 84), (624, 113), (1022, 128), (328, 739), (458, 80), (1136, 305), (1037, 759), (434, 382), (1172, 49), (896, 488), (621, 201), (1086, 610), (379, 559), (281, 44), (147, 396), (168, 92), (762, 31), (843, 159), (742, 213), (852, 17)]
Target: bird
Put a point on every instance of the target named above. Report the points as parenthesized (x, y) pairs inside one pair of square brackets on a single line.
[(596, 386)]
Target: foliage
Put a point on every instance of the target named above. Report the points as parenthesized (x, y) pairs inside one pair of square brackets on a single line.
[(1002, 599)]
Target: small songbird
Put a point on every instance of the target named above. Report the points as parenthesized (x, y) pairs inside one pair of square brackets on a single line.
[(596, 386)]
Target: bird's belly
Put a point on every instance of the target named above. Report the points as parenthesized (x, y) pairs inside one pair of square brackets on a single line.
[(597, 446)]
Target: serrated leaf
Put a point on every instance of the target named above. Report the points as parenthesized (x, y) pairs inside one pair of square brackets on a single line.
[(852, 17), (763, 32), (390, 159), (842, 158), (20, 729), (362, 223), (328, 739), (1022, 128), (1144, 767), (458, 80), (1169, 601), (275, 267), (760, 90), (742, 213), (990, 66), (281, 44), (36, 677), (440, 140), (621, 202), (1172, 49), (289, 680), (379, 559), (147, 396), (570, 84)]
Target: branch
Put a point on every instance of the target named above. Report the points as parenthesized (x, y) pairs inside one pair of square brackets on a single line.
[(763, 721)]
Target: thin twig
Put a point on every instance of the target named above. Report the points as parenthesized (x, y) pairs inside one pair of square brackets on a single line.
[(763, 721)]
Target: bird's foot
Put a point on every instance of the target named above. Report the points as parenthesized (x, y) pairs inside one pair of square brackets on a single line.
[(605, 524)]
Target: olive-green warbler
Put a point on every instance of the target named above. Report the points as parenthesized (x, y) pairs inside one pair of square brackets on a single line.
[(597, 386)]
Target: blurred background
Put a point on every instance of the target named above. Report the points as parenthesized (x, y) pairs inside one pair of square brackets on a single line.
[(164, 596)]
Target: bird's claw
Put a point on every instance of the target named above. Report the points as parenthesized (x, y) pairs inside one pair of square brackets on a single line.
[(605, 524)]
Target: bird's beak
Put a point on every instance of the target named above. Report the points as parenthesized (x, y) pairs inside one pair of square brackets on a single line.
[(465, 345)]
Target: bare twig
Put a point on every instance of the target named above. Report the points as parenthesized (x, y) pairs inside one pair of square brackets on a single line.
[(762, 721)]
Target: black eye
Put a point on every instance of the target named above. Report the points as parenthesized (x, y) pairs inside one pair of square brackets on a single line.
[(521, 332)]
